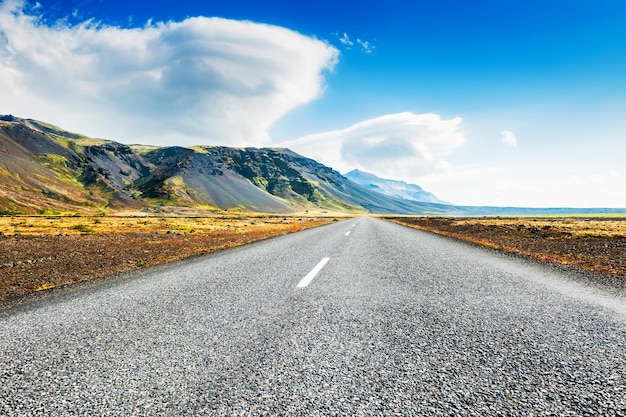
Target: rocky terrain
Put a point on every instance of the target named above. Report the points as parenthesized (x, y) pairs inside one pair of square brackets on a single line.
[(38, 253), (591, 244)]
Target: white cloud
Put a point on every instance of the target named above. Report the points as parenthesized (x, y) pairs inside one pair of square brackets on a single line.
[(345, 40), (348, 43), (366, 46), (545, 182), (509, 138), (202, 80), (500, 186), (400, 146)]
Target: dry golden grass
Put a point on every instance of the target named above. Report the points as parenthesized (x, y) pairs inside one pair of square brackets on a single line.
[(42, 252), (593, 244), (76, 225), (577, 227)]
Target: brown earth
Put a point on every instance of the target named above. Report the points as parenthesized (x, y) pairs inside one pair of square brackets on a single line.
[(591, 244), (37, 253)]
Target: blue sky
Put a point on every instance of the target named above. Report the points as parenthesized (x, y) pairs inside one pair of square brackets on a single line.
[(482, 103)]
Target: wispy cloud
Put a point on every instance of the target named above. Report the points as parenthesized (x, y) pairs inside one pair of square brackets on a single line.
[(509, 138), (201, 80), (366, 46), (345, 40), (402, 145), (348, 43)]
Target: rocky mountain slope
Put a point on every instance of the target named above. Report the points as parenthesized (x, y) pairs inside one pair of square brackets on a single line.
[(43, 167)]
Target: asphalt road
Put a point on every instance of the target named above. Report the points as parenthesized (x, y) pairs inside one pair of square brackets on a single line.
[(394, 321)]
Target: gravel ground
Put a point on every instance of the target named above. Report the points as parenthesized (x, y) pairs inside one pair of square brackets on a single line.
[(398, 322)]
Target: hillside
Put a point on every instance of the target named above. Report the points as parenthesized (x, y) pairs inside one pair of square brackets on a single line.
[(45, 168)]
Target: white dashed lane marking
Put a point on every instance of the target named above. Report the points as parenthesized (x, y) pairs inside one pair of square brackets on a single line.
[(309, 277)]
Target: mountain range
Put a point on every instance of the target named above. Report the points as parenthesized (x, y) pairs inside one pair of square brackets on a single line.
[(44, 168)]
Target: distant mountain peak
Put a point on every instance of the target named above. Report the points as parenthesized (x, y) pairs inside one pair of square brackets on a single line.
[(393, 188)]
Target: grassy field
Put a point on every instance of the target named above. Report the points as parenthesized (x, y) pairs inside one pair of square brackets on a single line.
[(76, 225), (575, 226)]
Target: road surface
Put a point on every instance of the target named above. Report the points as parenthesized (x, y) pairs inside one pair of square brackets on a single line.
[(361, 317)]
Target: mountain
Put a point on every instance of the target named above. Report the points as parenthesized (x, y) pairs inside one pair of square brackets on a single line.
[(39, 170), (43, 167), (392, 188)]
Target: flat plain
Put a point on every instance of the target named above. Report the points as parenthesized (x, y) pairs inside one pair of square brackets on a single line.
[(590, 243), (42, 252)]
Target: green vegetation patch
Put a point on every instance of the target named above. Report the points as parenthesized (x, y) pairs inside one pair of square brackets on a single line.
[(49, 212), (83, 228), (51, 159), (207, 207), (4, 172), (142, 149), (184, 228), (200, 149), (9, 207)]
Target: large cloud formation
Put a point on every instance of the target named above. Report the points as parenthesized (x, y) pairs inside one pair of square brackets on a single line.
[(401, 145), (198, 81)]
